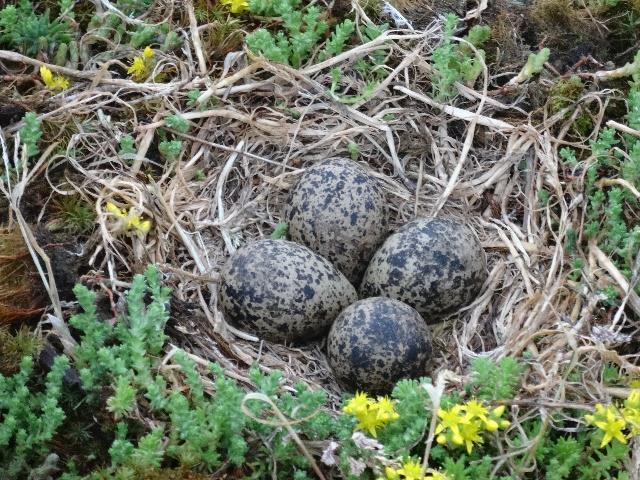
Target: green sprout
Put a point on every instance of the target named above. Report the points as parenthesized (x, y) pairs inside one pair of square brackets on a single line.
[(535, 64)]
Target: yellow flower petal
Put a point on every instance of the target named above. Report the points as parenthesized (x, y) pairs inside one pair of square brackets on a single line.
[(498, 411), (111, 208), (236, 6), (475, 409), (391, 473), (137, 67), (54, 82), (46, 75), (490, 425), (435, 475), (411, 470), (358, 404), (145, 226), (386, 410), (611, 423), (147, 53)]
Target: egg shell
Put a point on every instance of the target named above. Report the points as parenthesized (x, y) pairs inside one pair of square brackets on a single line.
[(340, 212), (282, 291), (436, 265), (377, 341)]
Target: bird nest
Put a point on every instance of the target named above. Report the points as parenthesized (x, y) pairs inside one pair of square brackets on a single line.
[(256, 126)]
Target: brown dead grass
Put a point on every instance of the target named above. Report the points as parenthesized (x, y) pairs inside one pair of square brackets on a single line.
[(20, 299)]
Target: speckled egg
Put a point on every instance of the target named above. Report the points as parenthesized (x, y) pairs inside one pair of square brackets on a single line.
[(339, 211), (282, 291), (436, 265), (376, 342)]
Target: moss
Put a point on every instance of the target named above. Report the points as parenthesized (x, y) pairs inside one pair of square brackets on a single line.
[(555, 14), (15, 345), (582, 125), (564, 93)]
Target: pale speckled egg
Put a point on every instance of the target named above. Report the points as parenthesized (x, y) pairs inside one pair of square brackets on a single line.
[(436, 265), (339, 211), (282, 291), (377, 341)]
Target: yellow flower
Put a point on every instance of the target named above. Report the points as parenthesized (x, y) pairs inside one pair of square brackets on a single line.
[(391, 473), (610, 422), (612, 428), (111, 208), (470, 435), (386, 410), (128, 221), (138, 69), (370, 422), (135, 222), (358, 404), (371, 414), (496, 413), (475, 410), (633, 400), (236, 6), (452, 419), (54, 82), (464, 424), (632, 417), (411, 470), (142, 65)]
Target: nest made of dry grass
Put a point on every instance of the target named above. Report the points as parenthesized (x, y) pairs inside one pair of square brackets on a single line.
[(483, 160)]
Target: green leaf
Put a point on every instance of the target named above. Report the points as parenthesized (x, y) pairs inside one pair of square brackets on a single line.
[(30, 133), (280, 231)]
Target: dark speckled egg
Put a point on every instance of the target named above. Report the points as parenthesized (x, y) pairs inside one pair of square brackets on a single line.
[(436, 265), (282, 291), (376, 342), (339, 211)]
